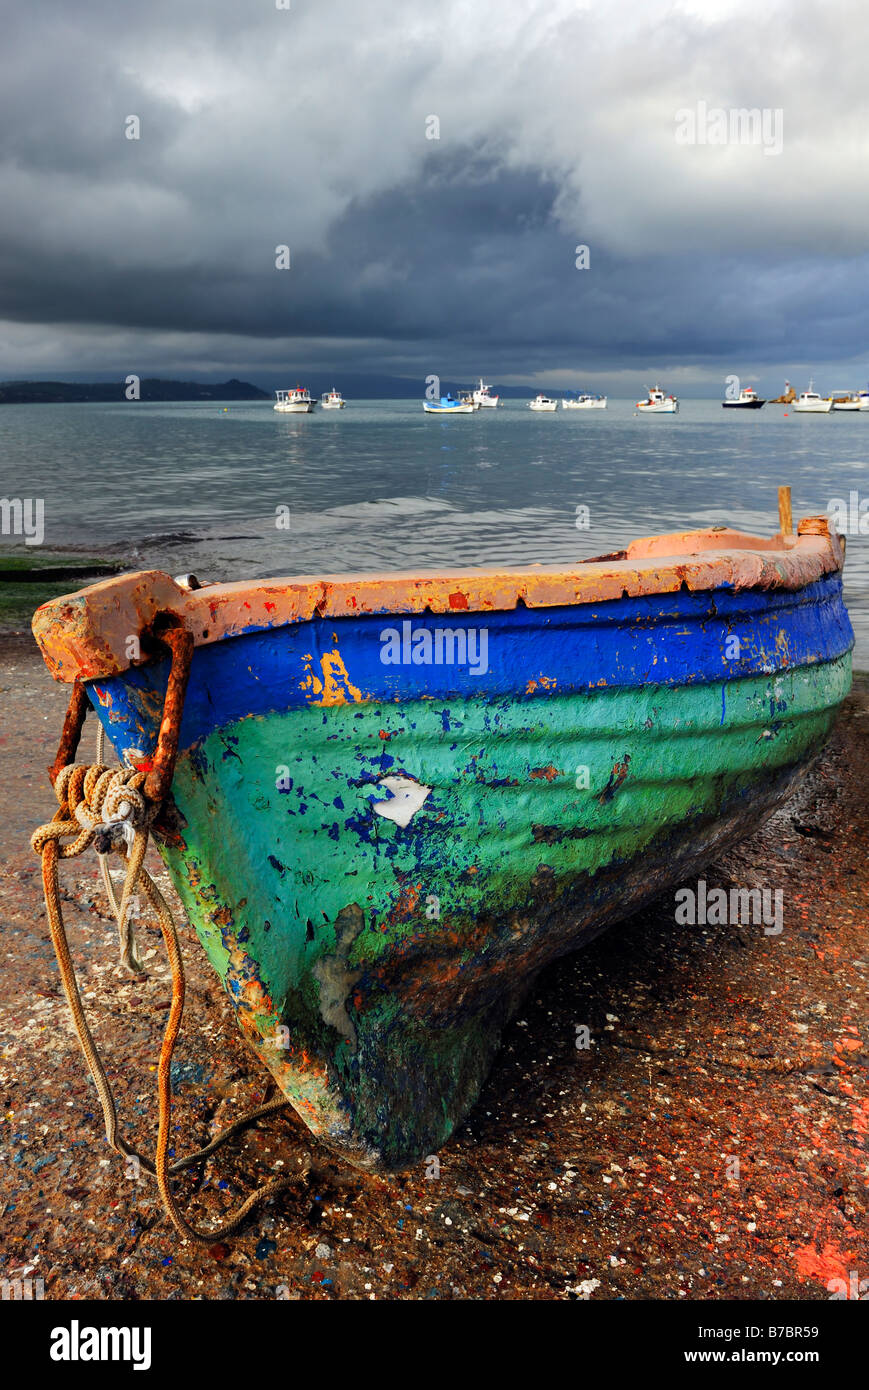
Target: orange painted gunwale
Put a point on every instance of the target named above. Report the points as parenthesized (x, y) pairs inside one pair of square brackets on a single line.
[(87, 634)]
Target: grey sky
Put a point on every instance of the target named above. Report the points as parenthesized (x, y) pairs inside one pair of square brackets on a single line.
[(307, 126)]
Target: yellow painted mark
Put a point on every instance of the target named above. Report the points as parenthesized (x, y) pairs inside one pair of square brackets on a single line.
[(333, 685), (545, 682)]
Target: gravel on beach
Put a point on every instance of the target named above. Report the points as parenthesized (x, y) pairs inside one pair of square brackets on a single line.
[(712, 1141)]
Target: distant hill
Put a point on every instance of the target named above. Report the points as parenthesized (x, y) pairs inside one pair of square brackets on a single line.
[(356, 386), (150, 389)]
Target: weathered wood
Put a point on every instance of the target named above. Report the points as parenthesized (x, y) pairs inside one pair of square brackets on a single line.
[(785, 517)]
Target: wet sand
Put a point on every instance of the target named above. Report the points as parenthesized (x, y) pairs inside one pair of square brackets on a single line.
[(712, 1143)]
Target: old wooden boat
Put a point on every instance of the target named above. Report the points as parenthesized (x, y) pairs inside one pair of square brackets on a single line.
[(398, 797)]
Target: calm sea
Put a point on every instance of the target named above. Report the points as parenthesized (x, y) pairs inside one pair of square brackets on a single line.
[(382, 486)]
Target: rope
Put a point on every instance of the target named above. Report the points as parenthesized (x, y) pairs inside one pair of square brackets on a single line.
[(107, 807), (104, 858)]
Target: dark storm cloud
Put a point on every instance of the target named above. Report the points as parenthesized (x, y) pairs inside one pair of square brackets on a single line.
[(307, 127)]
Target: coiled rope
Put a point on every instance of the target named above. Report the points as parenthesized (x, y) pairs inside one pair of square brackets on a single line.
[(108, 807)]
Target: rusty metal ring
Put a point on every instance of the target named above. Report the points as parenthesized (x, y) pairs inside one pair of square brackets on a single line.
[(159, 779)]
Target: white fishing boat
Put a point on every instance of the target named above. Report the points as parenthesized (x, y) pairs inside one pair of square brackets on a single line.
[(846, 400), (584, 402), (657, 403), (468, 398), (863, 398), (448, 405), (542, 402), (298, 401), (483, 397), (332, 400), (747, 399), (811, 403)]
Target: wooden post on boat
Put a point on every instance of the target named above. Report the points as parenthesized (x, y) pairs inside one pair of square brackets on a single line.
[(785, 519)]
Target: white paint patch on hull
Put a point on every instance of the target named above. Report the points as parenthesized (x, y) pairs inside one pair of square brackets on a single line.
[(406, 799)]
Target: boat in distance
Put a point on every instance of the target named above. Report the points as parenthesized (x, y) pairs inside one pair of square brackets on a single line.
[(332, 400), (747, 399), (811, 403), (297, 401), (583, 402), (483, 397), (846, 400), (542, 402), (657, 403), (448, 405), (398, 797)]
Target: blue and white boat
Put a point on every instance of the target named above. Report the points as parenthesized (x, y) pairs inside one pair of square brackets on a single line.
[(448, 405)]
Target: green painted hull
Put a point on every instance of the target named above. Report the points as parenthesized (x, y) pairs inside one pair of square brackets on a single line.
[(372, 966)]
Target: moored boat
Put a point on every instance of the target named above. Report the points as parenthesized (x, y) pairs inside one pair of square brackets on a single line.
[(846, 400), (583, 402), (483, 397), (448, 405), (657, 403), (398, 797), (297, 401), (747, 399), (542, 402), (811, 403), (332, 400)]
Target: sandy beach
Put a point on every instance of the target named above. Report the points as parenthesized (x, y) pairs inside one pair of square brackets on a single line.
[(711, 1143)]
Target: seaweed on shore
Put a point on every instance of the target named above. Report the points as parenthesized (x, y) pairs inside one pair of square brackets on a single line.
[(28, 579)]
